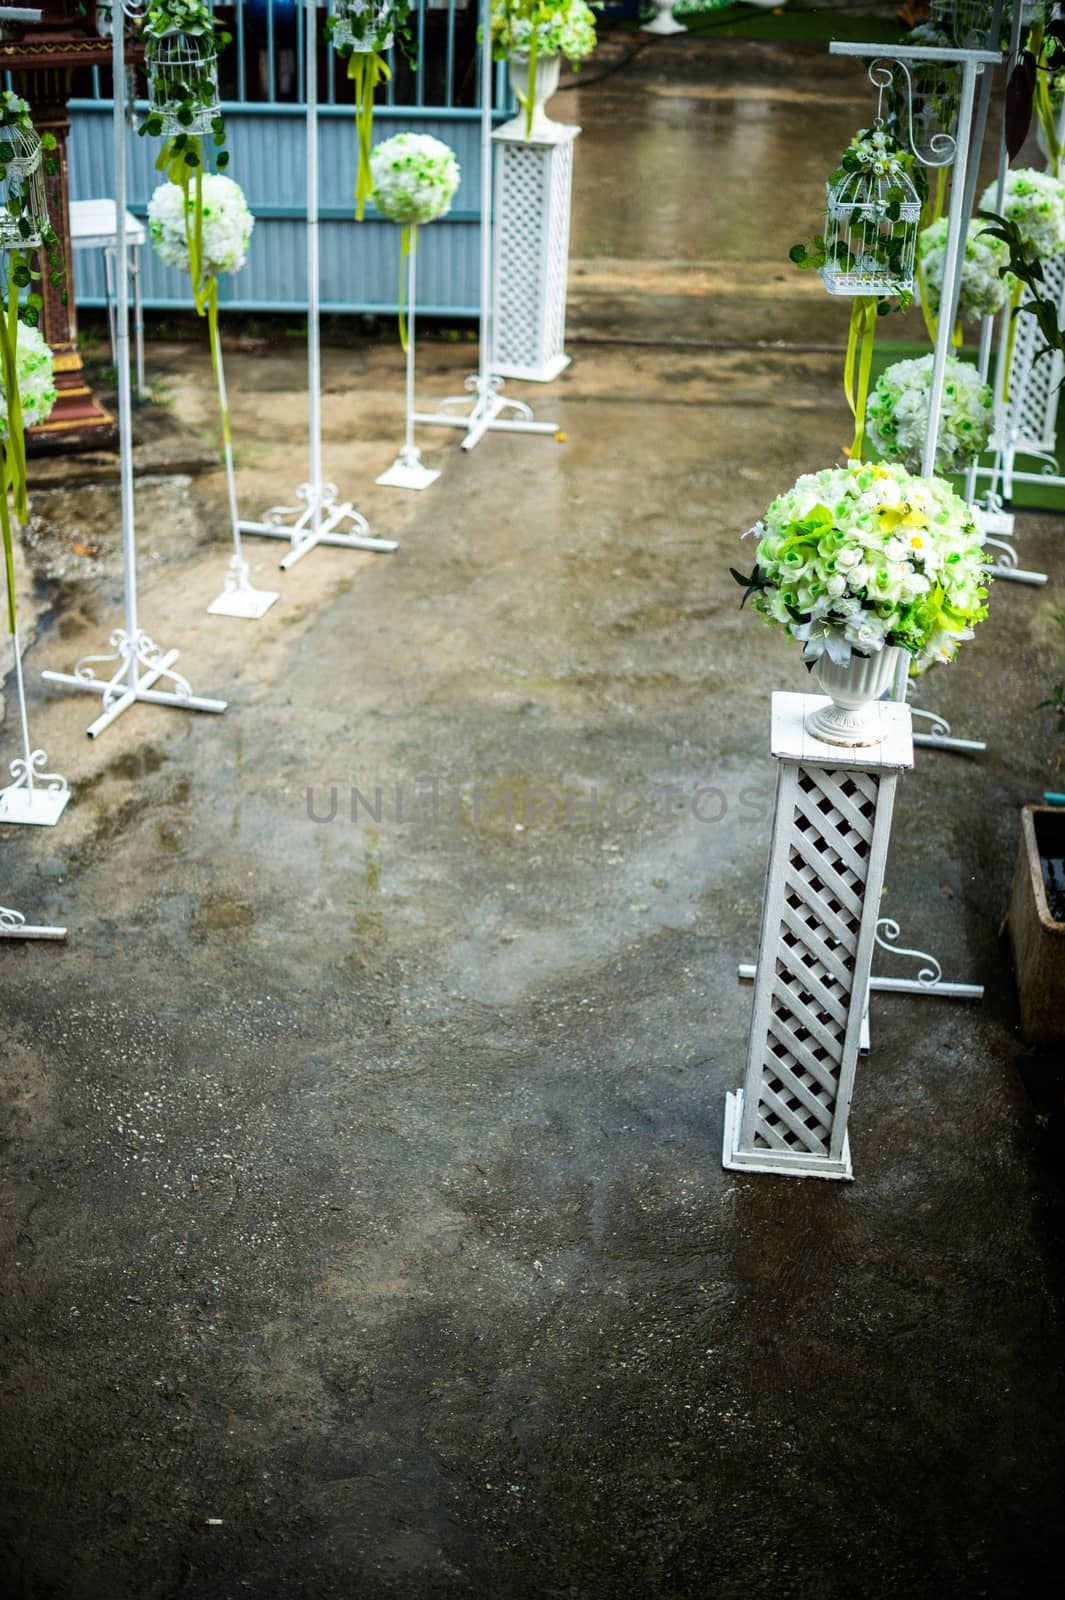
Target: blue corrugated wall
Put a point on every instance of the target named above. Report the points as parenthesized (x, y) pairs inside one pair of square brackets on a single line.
[(266, 131)]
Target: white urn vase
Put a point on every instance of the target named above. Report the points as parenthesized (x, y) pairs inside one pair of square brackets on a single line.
[(854, 689), (548, 69), (664, 20)]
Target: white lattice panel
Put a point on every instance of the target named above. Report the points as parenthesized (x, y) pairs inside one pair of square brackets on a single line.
[(826, 871), (1030, 423), (531, 255)]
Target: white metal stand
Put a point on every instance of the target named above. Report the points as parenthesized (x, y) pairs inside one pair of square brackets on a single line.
[(35, 796), (831, 826), (13, 924), (138, 662), (952, 151), (239, 598), (485, 408), (530, 264), (1026, 423), (318, 515), (407, 471)]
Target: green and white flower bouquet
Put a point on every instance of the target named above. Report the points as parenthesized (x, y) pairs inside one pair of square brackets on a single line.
[(986, 285), (896, 419), (856, 559), (1035, 203), (527, 31), (35, 374), (414, 177), (226, 223)]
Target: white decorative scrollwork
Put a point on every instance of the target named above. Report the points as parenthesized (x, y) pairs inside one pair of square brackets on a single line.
[(31, 775), (146, 653), (930, 103), (888, 932), (11, 921)]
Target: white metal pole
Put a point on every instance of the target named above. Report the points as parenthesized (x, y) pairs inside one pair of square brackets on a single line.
[(27, 748), (411, 315), (484, 361), (125, 401), (948, 296), (227, 448), (314, 353)]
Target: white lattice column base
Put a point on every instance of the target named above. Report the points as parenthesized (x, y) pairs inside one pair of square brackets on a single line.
[(533, 181), (822, 898)]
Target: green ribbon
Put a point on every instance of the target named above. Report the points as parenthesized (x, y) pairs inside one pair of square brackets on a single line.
[(858, 365), (1011, 330), (13, 473), (408, 245), (211, 307), (366, 69)]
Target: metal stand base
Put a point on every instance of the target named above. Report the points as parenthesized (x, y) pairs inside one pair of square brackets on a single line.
[(485, 413), (128, 684), (316, 518), (407, 471), (40, 807), (997, 527), (939, 736), (929, 979), (13, 925), (240, 598), (782, 1161)]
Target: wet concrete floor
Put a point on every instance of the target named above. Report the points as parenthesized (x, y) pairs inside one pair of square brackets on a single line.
[(363, 1217)]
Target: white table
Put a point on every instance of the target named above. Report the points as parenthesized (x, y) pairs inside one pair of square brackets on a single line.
[(94, 226)]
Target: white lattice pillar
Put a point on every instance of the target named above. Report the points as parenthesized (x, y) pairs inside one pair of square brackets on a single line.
[(533, 182), (822, 900)]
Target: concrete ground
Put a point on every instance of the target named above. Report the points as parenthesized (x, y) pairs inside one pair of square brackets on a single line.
[(363, 1218)]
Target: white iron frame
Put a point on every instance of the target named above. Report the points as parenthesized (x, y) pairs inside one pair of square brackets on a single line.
[(486, 405), (318, 515), (134, 664)]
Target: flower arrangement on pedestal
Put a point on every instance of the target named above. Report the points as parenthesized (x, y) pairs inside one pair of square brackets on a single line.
[(986, 282), (897, 415), (857, 562), (362, 31), (414, 180), (26, 233), (528, 32)]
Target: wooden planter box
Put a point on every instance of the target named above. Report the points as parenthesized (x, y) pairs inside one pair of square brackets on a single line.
[(1037, 937)]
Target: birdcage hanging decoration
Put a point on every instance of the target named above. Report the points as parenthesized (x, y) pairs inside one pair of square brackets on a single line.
[(871, 220), (362, 26), (23, 201), (182, 71), (965, 24)]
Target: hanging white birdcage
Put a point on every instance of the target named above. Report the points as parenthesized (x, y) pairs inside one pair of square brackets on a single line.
[(871, 226), (23, 201), (363, 25), (966, 23), (182, 70)]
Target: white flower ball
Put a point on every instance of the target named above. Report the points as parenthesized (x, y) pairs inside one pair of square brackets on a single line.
[(414, 177), (227, 224), (34, 367), (1035, 202)]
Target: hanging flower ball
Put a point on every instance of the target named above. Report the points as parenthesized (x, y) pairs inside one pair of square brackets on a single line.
[(227, 224), (985, 285), (896, 418), (859, 558), (35, 370), (414, 177), (1035, 203)]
